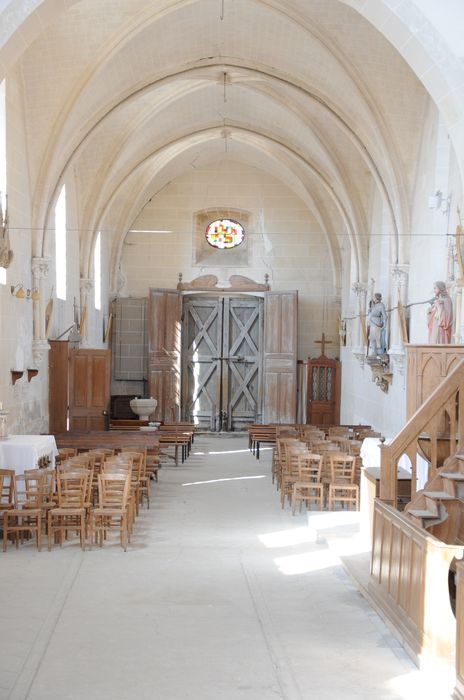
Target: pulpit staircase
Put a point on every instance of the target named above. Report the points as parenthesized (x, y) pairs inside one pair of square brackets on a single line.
[(416, 553), (439, 507)]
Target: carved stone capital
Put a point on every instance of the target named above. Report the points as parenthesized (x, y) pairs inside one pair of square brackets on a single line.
[(360, 288), (39, 350), (400, 276), (41, 267), (86, 285)]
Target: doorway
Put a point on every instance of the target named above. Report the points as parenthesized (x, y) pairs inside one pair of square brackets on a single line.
[(222, 361)]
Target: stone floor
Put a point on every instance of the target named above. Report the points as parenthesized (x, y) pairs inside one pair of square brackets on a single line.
[(222, 595)]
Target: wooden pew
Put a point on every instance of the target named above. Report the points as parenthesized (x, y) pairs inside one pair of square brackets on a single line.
[(84, 441)]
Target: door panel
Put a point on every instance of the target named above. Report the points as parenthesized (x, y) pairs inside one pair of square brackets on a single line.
[(222, 361), (202, 331), (58, 369), (89, 388), (164, 351), (242, 342), (280, 357)]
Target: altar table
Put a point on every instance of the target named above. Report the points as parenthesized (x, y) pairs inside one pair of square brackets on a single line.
[(21, 452)]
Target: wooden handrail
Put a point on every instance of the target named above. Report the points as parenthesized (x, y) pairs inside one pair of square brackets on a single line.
[(405, 441)]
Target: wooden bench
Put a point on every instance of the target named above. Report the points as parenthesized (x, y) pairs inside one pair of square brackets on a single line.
[(83, 441), (179, 435)]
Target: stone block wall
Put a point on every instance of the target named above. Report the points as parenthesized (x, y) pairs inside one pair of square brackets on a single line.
[(285, 242)]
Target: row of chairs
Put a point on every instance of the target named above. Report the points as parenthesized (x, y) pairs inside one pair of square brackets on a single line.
[(89, 493), (259, 434), (316, 472)]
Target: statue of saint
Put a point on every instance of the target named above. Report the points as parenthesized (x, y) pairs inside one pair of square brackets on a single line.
[(377, 320), (440, 316)]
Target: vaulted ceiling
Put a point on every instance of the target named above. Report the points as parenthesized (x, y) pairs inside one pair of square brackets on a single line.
[(130, 93)]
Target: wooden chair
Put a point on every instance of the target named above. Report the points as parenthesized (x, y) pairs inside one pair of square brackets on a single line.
[(339, 431), (70, 515), (282, 447), (26, 515), (65, 453), (46, 486), (342, 486), (278, 457), (7, 489), (123, 466), (112, 510), (153, 462), (309, 487), (290, 471), (144, 480), (137, 474)]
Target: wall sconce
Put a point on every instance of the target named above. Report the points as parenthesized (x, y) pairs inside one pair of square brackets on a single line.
[(19, 292), (439, 201)]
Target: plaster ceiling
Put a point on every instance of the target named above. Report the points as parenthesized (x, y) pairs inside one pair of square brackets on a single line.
[(128, 93)]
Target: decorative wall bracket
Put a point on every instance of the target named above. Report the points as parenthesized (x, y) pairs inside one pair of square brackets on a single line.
[(15, 375), (382, 376), (31, 373), (360, 355)]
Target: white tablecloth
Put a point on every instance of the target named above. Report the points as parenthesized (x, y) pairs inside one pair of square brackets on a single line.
[(20, 452), (370, 455)]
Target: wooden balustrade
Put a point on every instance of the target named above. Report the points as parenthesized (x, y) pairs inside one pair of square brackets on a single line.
[(444, 406), (409, 582)]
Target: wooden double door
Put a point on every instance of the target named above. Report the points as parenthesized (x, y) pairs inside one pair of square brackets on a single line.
[(222, 361)]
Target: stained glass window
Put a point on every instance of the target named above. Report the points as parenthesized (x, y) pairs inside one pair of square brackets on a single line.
[(225, 234)]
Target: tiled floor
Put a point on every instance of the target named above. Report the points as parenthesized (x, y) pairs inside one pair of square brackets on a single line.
[(222, 595)]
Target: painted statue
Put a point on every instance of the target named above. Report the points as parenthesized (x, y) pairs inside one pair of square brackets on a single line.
[(440, 316), (377, 320)]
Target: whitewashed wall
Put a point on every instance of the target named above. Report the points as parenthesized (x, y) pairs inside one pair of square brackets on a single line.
[(26, 401), (286, 243)]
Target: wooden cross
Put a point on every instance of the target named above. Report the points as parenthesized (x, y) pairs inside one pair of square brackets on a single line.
[(323, 342)]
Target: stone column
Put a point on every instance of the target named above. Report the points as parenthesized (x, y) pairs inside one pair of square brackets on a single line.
[(359, 348), (396, 351), (86, 286), (40, 346)]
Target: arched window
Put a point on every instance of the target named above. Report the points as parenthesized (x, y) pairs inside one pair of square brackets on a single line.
[(60, 244), (97, 271), (3, 161)]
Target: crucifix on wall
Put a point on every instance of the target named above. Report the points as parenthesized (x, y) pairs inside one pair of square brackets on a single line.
[(323, 342)]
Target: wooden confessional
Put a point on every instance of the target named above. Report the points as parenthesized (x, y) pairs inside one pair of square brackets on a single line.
[(324, 382)]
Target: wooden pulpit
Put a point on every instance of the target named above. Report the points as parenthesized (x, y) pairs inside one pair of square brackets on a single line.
[(324, 382)]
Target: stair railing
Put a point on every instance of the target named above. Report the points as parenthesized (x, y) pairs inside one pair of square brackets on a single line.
[(448, 399)]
